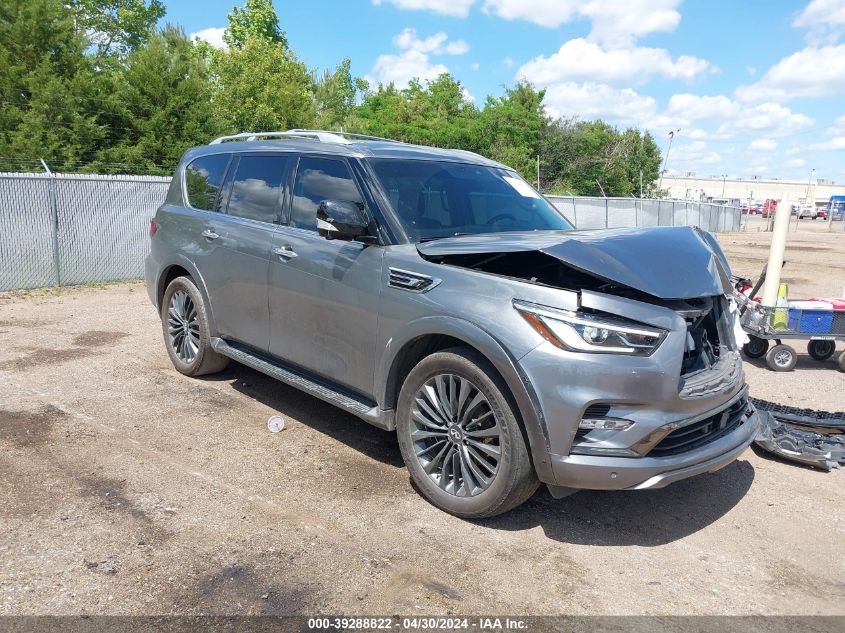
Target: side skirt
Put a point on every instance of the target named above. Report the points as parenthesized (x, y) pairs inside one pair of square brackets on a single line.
[(367, 410)]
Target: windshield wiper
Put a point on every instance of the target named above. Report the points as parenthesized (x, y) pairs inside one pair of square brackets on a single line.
[(442, 237)]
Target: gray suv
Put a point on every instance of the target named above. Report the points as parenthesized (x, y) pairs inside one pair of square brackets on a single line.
[(436, 294)]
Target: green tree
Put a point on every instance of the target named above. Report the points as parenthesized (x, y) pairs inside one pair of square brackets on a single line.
[(164, 105), (263, 86), (256, 19), (512, 125), (117, 25), (642, 161), (336, 94), (48, 88)]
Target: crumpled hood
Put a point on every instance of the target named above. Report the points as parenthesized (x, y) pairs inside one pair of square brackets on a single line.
[(666, 262)]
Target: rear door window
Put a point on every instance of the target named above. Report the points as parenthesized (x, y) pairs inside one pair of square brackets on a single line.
[(257, 187), (319, 179), (203, 178)]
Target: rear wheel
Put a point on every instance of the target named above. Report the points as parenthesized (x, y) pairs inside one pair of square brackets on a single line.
[(755, 347), (821, 350), (184, 321), (781, 358), (842, 361), (460, 437)]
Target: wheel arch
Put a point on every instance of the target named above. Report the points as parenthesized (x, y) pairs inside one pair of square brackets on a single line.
[(431, 334), (178, 268)]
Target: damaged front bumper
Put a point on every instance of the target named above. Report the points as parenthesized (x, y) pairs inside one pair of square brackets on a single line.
[(638, 473)]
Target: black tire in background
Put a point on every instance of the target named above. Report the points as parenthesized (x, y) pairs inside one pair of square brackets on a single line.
[(842, 361), (187, 336), (781, 358), (756, 347), (821, 350), (514, 480)]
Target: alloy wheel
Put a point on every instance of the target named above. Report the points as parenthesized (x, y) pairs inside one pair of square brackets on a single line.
[(183, 326), (456, 435)]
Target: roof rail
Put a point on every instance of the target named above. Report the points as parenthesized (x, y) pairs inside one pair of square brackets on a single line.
[(323, 136)]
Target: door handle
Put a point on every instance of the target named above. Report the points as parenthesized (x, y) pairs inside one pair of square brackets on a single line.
[(209, 234), (285, 252)]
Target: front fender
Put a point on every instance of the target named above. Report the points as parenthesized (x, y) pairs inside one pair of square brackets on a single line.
[(495, 353)]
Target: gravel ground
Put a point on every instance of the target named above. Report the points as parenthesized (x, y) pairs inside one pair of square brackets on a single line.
[(127, 488)]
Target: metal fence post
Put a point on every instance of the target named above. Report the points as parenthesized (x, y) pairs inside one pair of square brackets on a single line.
[(54, 223), (606, 214)]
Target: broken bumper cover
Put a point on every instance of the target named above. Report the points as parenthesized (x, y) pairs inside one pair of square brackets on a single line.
[(637, 473)]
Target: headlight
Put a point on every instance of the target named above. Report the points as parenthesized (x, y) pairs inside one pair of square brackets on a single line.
[(581, 332)]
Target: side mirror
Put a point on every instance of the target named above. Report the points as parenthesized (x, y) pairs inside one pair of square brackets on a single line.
[(340, 220)]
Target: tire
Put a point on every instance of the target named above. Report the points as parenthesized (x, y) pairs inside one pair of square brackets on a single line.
[(781, 358), (470, 384), (187, 337), (821, 350), (756, 347), (842, 361)]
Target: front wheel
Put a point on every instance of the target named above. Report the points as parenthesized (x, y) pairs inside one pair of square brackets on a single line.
[(460, 438), (781, 358)]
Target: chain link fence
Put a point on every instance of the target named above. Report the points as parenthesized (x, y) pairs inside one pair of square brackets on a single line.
[(64, 229), (613, 213)]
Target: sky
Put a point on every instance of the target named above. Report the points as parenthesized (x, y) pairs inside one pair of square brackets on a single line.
[(751, 87)]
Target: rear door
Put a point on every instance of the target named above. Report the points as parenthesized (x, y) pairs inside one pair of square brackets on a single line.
[(324, 293), (252, 197)]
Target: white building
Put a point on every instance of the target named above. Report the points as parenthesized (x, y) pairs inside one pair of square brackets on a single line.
[(691, 187)]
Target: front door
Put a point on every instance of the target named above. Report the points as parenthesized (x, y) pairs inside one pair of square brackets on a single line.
[(324, 293)]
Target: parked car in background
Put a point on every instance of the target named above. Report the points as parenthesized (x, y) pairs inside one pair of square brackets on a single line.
[(810, 211), (437, 295), (836, 207), (769, 208)]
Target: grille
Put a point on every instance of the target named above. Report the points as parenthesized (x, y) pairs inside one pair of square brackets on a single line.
[(699, 433)]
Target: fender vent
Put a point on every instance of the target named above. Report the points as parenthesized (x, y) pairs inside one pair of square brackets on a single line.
[(414, 282)]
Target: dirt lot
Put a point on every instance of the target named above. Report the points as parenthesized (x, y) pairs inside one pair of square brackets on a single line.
[(126, 488)]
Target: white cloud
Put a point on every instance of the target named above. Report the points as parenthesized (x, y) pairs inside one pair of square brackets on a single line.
[(824, 20), (796, 162), (691, 107), (583, 60), (437, 44), (810, 72), (763, 144), (212, 35), (457, 8), (835, 143), (613, 21), (591, 100), (414, 60), (772, 118), (690, 156)]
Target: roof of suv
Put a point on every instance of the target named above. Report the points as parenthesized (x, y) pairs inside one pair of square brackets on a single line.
[(355, 148)]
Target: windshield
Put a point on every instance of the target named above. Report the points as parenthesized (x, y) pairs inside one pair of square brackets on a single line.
[(440, 199)]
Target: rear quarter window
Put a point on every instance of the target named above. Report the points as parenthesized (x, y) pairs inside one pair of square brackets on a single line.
[(203, 178)]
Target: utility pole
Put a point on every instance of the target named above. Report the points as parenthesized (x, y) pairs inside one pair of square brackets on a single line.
[(724, 180), (666, 158)]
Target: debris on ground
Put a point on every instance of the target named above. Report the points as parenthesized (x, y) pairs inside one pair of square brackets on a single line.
[(276, 423), (812, 438)]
